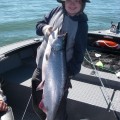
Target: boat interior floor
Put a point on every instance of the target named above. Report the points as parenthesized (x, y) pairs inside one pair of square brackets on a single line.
[(85, 100)]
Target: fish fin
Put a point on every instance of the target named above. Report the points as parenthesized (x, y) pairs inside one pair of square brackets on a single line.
[(40, 86)]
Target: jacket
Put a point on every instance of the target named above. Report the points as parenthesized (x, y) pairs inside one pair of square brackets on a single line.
[(74, 65)]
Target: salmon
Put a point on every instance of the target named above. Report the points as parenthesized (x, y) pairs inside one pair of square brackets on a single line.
[(54, 74)]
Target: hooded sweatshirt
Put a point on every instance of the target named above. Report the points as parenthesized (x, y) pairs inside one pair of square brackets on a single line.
[(77, 29)]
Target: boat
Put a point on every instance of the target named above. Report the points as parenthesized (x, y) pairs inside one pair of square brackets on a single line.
[(95, 94)]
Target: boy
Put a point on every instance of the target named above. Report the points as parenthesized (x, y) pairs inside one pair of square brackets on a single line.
[(68, 18)]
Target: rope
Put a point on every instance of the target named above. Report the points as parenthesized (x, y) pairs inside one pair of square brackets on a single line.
[(104, 92), (26, 107)]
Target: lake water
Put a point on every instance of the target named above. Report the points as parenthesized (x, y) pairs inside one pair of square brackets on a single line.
[(19, 17)]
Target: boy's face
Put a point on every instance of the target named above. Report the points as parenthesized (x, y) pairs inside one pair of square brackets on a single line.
[(73, 6)]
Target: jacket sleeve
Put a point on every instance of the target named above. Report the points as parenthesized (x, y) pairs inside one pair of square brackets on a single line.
[(45, 21), (74, 65)]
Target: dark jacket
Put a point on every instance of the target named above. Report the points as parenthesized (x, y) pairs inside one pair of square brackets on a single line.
[(74, 65)]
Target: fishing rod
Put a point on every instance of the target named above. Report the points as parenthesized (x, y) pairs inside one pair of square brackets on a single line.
[(105, 94)]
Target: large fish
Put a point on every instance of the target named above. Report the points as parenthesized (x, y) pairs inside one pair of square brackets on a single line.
[(54, 74)]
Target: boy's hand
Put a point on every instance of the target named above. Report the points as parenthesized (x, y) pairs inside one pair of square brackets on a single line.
[(47, 30), (3, 106)]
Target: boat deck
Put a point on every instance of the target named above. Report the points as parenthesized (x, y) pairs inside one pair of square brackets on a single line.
[(84, 99)]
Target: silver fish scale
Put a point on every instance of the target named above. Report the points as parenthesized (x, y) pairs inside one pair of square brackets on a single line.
[(55, 78)]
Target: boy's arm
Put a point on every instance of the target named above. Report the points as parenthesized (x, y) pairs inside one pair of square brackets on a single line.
[(43, 24), (74, 65)]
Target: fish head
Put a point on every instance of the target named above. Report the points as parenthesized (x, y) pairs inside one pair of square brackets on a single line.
[(57, 40)]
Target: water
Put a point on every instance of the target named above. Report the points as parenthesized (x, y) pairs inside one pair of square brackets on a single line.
[(19, 17)]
